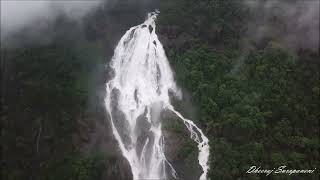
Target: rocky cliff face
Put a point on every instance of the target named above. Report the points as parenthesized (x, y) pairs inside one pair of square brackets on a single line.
[(108, 24), (95, 136), (180, 150)]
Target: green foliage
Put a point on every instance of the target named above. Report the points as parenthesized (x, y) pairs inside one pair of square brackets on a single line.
[(46, 91), (76, 167), (258, 107), (261, 103), (257, 114), (205, 21)]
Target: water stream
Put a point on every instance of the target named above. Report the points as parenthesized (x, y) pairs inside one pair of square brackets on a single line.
[(135, 97)]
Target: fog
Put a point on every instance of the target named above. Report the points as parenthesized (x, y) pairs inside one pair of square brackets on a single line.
[(294, 23), (16, 14)]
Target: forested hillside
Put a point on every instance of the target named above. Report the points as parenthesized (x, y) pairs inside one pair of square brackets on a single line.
[(258, 101), (54, 121)]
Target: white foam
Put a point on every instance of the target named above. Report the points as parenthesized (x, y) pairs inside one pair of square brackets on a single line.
[(143, 77)]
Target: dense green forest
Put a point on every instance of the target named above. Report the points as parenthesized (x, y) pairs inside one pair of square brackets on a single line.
[(54, 121), (46, 93), (258, 102)]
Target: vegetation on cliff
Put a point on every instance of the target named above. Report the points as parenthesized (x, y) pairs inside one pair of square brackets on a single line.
[(257, 101), (53, 121)]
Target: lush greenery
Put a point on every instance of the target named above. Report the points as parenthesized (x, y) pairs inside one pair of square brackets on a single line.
[(53, 119), (260, 106), (46, 94)]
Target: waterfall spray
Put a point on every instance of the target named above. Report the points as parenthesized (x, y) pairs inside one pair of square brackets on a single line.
[(135, 97)]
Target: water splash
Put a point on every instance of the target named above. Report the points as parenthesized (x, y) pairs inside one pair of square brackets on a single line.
[(135, 97)]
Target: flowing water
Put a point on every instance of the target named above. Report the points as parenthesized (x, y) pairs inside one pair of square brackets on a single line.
[(135, 97)]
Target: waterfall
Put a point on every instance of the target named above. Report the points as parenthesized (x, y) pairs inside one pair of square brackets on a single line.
[(135, 97)]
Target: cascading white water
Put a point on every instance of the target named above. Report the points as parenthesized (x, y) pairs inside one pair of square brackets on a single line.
[(135, 97)]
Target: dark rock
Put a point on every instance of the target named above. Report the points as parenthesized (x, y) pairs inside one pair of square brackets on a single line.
[(150, 29), (119, 118), (85, 137), (180, 150), (117, 168)]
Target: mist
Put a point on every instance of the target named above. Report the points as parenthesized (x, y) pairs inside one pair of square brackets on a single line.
[(293, 23), (18, 14)]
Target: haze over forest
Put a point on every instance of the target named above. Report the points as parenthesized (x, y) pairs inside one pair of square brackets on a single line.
[(248, 74)]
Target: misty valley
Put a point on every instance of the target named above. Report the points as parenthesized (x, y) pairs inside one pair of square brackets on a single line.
[(160, 90)]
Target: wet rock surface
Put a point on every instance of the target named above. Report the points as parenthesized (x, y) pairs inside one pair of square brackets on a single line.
[(180, 150), (99, 139)]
